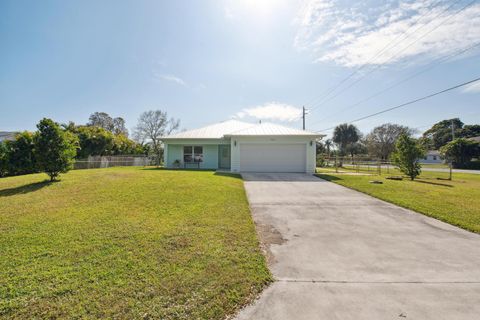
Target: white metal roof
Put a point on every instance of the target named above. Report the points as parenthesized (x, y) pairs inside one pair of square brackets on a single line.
[(239, 128), (214, 131), (271, 129)]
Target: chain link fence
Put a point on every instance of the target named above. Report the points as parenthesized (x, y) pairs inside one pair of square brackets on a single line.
[(95, 162)]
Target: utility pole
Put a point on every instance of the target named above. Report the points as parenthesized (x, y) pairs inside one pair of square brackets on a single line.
[(303, 116), (453, 138), (453, 130)]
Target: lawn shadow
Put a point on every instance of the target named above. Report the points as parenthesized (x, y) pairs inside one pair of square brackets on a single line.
[(228, 174), (434, 183), (27, 188), (176, 169), (326, 176)]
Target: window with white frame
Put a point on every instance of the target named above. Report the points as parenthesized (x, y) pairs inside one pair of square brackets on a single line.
[(192, 154)]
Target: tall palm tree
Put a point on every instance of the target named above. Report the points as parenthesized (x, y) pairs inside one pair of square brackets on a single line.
[(328, 145)]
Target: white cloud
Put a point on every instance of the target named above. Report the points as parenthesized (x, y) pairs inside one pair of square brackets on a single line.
[(168, 77), (272, 111), (472, 88), (172, 78), (351, 35)]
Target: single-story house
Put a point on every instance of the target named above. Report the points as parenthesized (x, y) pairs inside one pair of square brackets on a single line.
[(432, 156), (475, 139), (7, 136), (239, 146)]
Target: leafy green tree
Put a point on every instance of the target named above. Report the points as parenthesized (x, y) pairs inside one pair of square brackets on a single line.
[(102, 120), (21, 158), (4, 155), (441, 133), (406, 156), (55, 149), (469, 131), (460, 151), (94, 141), (346, 136)]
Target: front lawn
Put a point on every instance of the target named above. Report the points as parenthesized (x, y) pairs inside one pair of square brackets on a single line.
[(127, 243), (456, 202)]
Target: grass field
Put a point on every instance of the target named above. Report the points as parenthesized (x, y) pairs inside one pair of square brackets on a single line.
[(456, 202), (127, 243)]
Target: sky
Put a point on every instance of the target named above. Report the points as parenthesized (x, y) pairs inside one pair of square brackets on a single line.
[(207, 61)]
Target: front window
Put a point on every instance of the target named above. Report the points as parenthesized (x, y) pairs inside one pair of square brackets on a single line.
[(192, 154), (198, 154)]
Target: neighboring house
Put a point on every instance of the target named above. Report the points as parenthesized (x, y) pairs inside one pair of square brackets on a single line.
[(476, 139), (5, 135), (239, 146), (432, 156)]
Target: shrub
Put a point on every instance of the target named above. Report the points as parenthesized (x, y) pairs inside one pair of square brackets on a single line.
[(406, 155), (55, 149), (460, 152), (21, 159)]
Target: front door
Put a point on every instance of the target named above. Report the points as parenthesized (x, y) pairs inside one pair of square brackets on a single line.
[(224, 156)]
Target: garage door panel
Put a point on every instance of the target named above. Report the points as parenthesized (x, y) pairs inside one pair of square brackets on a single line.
[(272, 157)]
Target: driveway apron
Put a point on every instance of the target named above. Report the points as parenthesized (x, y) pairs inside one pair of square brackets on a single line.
[(339, 254)]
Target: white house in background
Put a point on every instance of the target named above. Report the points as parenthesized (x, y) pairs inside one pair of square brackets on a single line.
[(432, 156), (5, 135), (239, 146)]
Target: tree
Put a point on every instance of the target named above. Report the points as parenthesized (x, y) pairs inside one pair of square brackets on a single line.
[(469, 131), (346, 136), (94, 141), (21, 158), (102, 120), (407, 154), (381, 140), (119, 127), (441, 133), (152, 125), (55, 149), (328, 146), (4, 155), (460, 151)]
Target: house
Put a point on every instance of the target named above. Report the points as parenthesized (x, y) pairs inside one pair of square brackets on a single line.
[(475, 139), (239, 146), (7, 136), (432, 156)]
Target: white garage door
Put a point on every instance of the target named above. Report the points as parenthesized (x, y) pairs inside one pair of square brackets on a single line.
[(272, 157)]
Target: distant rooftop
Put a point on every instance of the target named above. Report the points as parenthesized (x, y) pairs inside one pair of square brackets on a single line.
[(6, 135), (239, 128)]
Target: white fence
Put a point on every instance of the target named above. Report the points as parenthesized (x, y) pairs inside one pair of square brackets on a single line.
[(94, 162)]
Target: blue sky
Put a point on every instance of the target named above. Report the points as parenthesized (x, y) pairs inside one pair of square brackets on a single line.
[(208, 61)]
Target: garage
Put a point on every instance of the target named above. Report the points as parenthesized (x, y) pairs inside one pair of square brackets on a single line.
[(260, 157)]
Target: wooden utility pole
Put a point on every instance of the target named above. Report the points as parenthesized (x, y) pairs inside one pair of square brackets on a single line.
[(453, 138), (303, 116)]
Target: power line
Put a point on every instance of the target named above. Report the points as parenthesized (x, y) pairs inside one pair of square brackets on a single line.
[(409, 102), (397, 53), (333, 88), (433, 65)]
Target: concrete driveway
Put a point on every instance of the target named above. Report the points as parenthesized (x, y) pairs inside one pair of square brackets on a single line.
[(340, 254)]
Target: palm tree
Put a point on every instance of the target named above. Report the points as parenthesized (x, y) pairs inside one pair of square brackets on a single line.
[(328, 145)]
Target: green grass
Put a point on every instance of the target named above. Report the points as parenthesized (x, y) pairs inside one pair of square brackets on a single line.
[(455, 202), (127, 243)]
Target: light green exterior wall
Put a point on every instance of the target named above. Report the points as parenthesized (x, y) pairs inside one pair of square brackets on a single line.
[(174, 151)]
